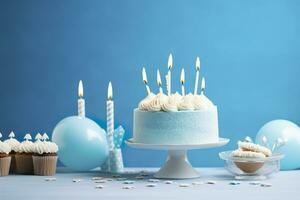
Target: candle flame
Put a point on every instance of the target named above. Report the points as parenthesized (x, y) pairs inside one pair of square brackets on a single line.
[(170, 62), (144, 76), (182, 76), (109, 91), (203, 84), (80, 89), (198, 64), (158, 78)]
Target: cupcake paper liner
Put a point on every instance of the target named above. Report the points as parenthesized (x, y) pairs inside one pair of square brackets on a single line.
[(13, 167), (24, 164), (4, 165), (44, 165)]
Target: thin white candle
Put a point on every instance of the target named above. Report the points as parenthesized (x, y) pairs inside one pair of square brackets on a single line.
[(197, 75), (81, 101), (182, 82), (159, 82), (202, 86), (167, 83), (170, 65), (110, 117), (144, 74)]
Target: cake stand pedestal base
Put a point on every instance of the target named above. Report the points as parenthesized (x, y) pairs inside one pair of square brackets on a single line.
[(177, 165)]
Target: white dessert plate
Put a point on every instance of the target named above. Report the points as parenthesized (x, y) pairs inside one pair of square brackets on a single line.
[(220, 142)]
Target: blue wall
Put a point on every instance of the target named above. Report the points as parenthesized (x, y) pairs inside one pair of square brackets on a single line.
[(249, 55)]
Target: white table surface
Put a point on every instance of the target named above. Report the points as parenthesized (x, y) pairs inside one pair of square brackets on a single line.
[(285, 185)]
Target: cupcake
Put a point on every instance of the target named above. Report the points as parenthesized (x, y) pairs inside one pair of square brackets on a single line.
[(23, 156), (14, 144), (5, 158), (45, 156)]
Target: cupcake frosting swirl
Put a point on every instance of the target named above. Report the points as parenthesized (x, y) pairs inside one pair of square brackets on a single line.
[(26, 147), (45, 147), (186, 103), (4, 147), (13, 143), (144, 104)]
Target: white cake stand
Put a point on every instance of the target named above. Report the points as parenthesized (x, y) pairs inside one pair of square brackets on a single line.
[(177, 165)]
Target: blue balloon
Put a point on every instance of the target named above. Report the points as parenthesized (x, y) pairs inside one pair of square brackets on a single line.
[(289, 132), (82, 143)]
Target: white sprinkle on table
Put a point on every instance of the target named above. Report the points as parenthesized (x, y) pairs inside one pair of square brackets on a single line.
[(128, 187), (254, 183), (121, 179), (184, 185), (211, 182), (97, 178), (234, 183), (153, 180), (99, 186), (50, 179), (168, 182), (266, 185), (197, 183), (76, 180), (100, 181), (128, 182), (151, 185)]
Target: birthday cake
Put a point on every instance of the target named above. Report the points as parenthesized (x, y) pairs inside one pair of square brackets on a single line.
[(175, 118)]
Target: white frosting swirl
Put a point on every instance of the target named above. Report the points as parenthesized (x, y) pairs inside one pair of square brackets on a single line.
[(26, 147), (172, 104), (186, 103), (202, 102), (4, 147), (144, 104), (45, 147), (13, 143), (156, 103)]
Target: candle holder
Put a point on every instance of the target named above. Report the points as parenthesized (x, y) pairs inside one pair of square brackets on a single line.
[(177, 165)]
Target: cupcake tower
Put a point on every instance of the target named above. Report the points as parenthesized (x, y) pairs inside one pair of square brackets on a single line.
[(27, 157)]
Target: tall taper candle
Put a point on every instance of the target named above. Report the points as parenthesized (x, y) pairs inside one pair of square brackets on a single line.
[(145, 80), (159, 82), (170, 65), (81, 102), (197, 75), (110, 117), (182, 82)]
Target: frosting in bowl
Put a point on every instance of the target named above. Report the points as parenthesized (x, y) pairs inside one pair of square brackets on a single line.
[(13, 143), (4, 147)]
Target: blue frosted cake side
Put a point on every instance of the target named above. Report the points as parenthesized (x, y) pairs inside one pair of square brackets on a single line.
[(182, 127)]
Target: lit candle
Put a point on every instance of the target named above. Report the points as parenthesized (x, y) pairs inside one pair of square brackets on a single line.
[(159, 82), (145, 80), (197, 75), (182, 82), (81, 102), (170, 65), (110, 117), (202, 85)]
